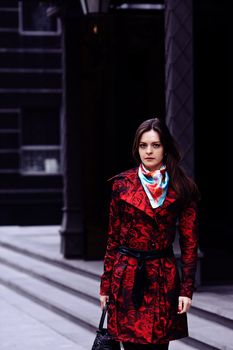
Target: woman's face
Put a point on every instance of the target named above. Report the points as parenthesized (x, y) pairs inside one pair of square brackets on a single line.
[(151, 151)]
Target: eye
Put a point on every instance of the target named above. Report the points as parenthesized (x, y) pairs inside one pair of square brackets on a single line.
[(156, 145), (142, 145)]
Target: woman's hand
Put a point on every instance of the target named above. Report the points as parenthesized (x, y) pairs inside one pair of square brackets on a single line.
[(103, 300), (184, 304)]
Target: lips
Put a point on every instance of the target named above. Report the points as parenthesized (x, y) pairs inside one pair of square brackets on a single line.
[(149, 158)]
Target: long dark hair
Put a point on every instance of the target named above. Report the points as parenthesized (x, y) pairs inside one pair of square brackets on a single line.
[(183, 185)]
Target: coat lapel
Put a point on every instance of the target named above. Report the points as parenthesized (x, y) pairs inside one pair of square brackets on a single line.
[(134, 194), (170, 198)]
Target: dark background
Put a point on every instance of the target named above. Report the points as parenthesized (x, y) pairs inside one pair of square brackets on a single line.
[(212, 115)]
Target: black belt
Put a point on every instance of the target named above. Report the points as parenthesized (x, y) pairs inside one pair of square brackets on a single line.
[(141, 282)]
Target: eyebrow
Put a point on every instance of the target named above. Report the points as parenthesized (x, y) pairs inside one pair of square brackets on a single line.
[(150, 142)]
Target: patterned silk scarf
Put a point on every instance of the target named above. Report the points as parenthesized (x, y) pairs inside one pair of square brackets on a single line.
[(155, 184)]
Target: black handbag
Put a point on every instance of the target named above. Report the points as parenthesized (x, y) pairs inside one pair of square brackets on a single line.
[(103, 340)]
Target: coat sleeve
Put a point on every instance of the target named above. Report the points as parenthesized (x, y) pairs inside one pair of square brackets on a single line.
[(113, 240), (188, 238)]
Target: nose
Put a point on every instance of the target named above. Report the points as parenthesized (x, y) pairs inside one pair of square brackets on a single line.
[(149, 150)]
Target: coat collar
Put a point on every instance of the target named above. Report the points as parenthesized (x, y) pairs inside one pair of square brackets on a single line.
[(133, 193)]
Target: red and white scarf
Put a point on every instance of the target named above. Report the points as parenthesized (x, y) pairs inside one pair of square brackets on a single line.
[(155, 184)]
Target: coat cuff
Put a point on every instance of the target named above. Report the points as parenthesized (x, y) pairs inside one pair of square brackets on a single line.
[(104, 287), (186, 292)]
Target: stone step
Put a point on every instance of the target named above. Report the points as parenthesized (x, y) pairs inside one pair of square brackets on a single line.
[(209, 332), (66, 304), (204, 334), (217, 305), (188, 345), (82, 337), (77, 277), (61, 302), (44, 246), (71, 281), (38, 327), (35, 253)]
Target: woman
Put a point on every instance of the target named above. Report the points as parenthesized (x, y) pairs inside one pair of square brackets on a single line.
[(147, 299)]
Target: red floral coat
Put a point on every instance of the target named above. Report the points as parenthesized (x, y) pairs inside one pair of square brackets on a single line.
[(134, 223)]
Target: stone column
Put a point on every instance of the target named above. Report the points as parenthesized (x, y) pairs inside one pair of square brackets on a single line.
[(72, 229), (179, 87), (179, 76)]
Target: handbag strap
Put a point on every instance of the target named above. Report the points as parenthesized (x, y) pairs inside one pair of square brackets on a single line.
[(101, 324)]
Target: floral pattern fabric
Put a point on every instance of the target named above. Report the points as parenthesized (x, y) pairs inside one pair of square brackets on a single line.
[(134, 223)]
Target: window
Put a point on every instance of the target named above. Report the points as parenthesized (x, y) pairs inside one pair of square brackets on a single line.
[(40, 160), (33, 19)]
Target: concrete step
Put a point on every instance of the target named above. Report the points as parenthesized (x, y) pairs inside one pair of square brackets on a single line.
[(37, 327), (210, 303), (85, 313), (217, 336), (43, 244), (81, 337), (71, 281), (68, 305), (45, 277), (214, 305), (82, 313)]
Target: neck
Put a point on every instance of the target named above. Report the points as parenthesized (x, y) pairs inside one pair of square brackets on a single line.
[(153, 169)]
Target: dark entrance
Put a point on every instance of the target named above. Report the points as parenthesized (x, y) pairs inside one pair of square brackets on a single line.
[(121, 82)]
